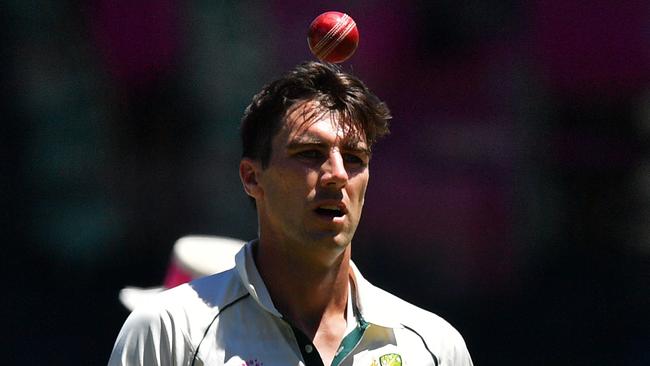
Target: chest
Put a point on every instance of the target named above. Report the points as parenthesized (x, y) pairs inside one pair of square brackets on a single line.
[(262, 340)]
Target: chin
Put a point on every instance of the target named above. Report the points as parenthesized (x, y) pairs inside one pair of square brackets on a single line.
[(342, 240), (333, 240)]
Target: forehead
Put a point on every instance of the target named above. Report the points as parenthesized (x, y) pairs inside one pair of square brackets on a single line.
[(308, 120)]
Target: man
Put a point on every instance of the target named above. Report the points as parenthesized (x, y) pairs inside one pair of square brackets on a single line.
[(294, 296)]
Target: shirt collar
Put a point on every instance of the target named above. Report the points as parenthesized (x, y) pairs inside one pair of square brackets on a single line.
[(250, 276), (373, 304)]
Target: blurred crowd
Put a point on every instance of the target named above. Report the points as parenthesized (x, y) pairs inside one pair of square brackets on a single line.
[(513, 195)]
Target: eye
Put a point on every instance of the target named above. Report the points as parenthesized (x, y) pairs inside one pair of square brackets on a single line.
[(309, 154), (354, 159)]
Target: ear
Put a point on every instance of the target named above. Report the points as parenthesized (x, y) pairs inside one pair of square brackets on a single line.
[(249, 171)]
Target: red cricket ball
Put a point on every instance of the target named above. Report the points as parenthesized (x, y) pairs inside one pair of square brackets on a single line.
[(333, 37)]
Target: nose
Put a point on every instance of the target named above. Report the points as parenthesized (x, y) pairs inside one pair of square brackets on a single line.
[(334, 173)]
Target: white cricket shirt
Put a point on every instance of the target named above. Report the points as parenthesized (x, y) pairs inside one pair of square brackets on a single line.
[(229, 319)]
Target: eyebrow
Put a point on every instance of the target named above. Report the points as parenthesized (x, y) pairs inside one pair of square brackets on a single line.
[(347, 144)]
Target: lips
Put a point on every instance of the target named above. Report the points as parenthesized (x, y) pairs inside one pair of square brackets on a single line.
[(331, 210)]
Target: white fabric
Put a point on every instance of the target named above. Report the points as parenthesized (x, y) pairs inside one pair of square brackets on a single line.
[(204, 255), (196, 256), (229, 319)]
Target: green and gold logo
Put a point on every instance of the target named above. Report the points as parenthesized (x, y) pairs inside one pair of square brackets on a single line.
[(391, 359)]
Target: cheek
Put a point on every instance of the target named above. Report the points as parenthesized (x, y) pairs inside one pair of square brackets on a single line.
[(293, 183), (358, 188)]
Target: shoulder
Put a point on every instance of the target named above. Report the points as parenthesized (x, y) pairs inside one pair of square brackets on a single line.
[(440, 337), (413, 316), (194, 302), (174, 321)]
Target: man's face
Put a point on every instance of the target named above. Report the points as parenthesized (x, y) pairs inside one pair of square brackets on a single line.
[(314, 185)]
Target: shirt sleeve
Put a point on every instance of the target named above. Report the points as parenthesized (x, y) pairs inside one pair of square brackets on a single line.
[(150, 338), (458, 353)]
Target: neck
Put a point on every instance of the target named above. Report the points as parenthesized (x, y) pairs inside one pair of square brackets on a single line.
[(308, 291)]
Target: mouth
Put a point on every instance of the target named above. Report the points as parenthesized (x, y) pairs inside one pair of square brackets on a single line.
[(330, 211)]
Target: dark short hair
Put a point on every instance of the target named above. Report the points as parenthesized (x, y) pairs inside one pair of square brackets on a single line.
[(335, 91)]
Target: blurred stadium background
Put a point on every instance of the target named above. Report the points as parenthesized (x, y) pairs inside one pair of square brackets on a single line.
[(513, 197)]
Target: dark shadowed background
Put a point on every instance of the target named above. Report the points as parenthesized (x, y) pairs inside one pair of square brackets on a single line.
[(512, 197)]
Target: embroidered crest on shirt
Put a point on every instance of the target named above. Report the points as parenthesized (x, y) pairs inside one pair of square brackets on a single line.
[(391, 359)]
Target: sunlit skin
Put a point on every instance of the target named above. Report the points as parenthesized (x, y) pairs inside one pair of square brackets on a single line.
[(309, 201), (313, 167)]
